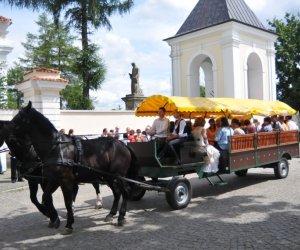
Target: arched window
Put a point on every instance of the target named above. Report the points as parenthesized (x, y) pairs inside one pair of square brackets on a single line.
[(201, 76), (255, 77)]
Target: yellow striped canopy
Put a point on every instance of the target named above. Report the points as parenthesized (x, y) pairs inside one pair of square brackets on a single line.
[(192, 107)]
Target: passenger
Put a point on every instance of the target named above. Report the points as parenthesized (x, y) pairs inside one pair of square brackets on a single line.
[(276, 124), (218, 123), (159, 129), (139, 137), (62, 131), (188, 129), (221, 139), (104, 132), (111, 133), (235, 124), (131, 136), (249, 127), (291, 124), (201, 139), (176, 137), (211, 131), (71, 132), (117, 133), (146, 134), (125, 138), (267, 125), (282, 122), (257, 125)]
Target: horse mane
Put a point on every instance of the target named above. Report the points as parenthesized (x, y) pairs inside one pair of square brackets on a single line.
[(41, 121)]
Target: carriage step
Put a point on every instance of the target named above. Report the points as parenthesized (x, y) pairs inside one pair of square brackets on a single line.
[(221, 182)]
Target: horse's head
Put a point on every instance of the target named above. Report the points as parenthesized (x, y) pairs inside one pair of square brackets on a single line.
[(21, 121), (5, 129)]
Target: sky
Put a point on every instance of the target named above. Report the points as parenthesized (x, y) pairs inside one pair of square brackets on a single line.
[(136, 37)]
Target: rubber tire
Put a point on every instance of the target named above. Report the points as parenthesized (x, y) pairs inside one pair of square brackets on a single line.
[(281, 169), (241, 173), (180, 193), (137, 193)]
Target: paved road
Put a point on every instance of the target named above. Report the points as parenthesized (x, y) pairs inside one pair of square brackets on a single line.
[(253, 212)]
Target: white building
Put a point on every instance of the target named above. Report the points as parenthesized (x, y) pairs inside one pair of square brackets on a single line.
[(232, 47), (5, 49)]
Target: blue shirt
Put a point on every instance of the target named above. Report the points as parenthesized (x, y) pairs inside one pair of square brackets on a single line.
[(222, 137)]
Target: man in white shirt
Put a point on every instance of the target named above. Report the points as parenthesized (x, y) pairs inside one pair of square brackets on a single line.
[(291, 124), (160, 125), (159, 129)]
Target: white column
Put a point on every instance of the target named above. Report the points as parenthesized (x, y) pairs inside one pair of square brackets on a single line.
[(176, 70), (5, 49), (231, 64), (42, 86), (271, 73), (246, 94)]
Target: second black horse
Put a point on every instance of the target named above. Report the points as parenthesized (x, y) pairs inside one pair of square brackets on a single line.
[(105, 159)]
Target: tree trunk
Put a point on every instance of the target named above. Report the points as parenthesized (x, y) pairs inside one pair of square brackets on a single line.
[(85, 45)]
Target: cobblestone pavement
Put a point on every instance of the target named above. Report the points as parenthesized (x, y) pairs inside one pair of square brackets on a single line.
[(252, 212)]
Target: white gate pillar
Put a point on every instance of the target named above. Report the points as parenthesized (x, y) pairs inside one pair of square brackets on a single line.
[(41, 86)]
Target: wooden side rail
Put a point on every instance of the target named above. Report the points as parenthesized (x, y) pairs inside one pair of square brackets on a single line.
[(289, 137), (242, 142), (266, 139)]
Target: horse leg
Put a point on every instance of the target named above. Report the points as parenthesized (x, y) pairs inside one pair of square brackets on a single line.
[(47, 199), (74, 195), (124, 188), (98, 196), (33, 188), (117, 195), (67, 189)]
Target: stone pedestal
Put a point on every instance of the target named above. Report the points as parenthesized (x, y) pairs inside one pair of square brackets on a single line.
[(41, 86), (133, 100)]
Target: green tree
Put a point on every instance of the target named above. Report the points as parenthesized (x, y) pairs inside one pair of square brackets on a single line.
[(202, 91), (2, 91), (14, 97), (51, 47), (288, 58), (72, 97), (84, 16)]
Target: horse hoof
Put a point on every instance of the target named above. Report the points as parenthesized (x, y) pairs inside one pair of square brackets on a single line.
[(121, 222), (108, 218), (50, 224), (67, 231), (98, 206), (54, 224)]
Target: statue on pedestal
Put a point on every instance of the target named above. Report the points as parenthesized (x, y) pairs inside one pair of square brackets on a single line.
[(134, 76), (136, 97)]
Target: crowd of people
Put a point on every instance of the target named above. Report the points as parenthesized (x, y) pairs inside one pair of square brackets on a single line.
[(213, 139)]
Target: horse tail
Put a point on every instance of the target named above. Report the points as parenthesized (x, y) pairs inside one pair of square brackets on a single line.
[(133, 171)]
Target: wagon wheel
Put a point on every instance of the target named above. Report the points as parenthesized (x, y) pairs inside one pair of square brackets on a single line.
[(137, 192), (281, 169), (180, 193), (241, 173)]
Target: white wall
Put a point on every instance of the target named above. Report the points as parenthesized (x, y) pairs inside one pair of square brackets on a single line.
[(93, 122)]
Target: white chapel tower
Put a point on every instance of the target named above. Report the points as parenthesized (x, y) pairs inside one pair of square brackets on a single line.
[(5, 49), (224, 40)]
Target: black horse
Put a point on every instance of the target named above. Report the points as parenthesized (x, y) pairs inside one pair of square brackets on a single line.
[(31, 166), (105, 159)]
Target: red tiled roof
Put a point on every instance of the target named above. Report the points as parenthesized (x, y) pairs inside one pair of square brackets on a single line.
[(49, 79), (42, 69), (5, 20)]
